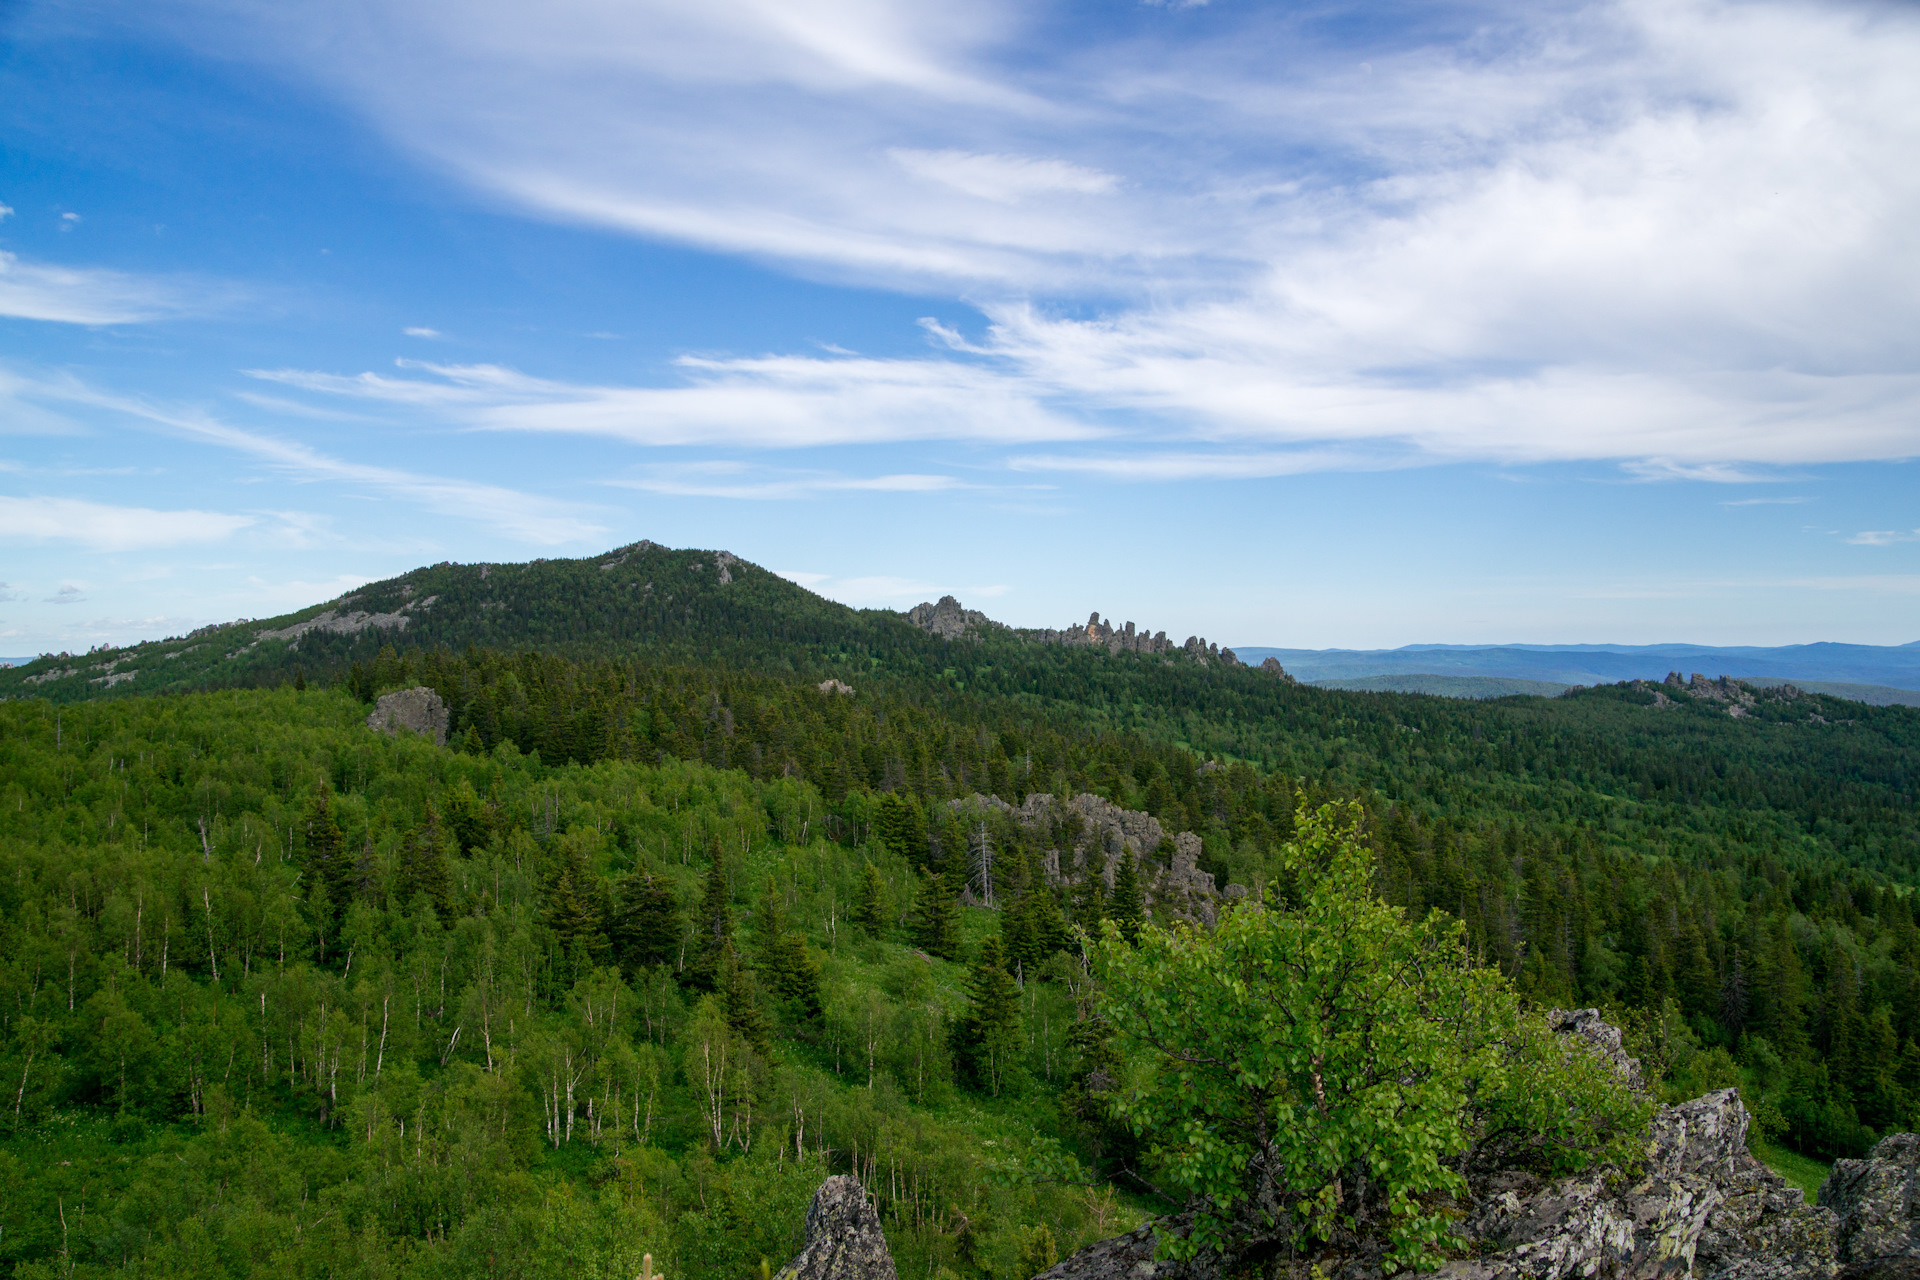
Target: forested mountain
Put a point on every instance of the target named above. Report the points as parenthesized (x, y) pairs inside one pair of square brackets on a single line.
[(673, 925)]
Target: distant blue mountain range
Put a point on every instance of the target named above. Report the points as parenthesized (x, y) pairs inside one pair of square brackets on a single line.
[(1897, 666)]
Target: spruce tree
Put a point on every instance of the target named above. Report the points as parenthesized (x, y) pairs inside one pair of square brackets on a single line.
[(935, 924), (870, 909), (645, 928), (328, 867), (1090, 899), (422, 869), (741, 997), (577, 911), (1127, 908), (986, 1037), (713, 929)]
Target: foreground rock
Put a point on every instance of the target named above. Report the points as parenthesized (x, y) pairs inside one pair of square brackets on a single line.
[(417, 710), (1700, 1207), (1877, 1203), (844, 1240)]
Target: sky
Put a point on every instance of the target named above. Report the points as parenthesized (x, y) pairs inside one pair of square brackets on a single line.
[(1300, 325)]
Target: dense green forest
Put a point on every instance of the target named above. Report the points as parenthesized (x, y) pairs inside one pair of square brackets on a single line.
[(666, 931)]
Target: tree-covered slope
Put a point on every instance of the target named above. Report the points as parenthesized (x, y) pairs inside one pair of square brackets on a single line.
[(644, 599)]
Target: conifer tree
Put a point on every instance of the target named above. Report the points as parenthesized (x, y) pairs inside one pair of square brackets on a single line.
[(935, 924), (1090, 899), (986, 1037), (870, 909), (741, 997), (577, 911), (713, 929), (1127, 908), (421, 872), (902, 827), (328, 866), (645, 928)]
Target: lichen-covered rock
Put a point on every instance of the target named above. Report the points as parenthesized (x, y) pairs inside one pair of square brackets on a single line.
[(1602, 1035), (417, 710), (1700, 1207), (844, 1240), (1877, 1202)]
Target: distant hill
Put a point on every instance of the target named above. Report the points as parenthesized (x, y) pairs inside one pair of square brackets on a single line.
[(643, 599), (1892, 666), (1876, 695), (666, 605), (1449, 686)]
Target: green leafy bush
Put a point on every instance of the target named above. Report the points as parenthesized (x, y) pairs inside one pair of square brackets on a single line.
[(1319, 1065)]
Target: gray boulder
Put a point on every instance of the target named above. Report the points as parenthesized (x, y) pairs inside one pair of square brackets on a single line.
[(417, 710), (1877, 1202), (844, 1240)]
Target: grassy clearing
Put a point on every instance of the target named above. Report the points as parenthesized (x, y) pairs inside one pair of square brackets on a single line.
[(1803, 1172)]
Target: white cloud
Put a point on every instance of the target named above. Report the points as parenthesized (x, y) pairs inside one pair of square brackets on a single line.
[(1624, 230), (525, 516), (776, 401), (75, 295), (419, 332), (6, 211), (102, 527), (1884, 537), (1157, 465), (69, 593), (739, 480), (1003, 179)]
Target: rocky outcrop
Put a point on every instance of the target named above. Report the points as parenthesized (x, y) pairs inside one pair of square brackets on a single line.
[(1877, 1204), (1699, 1207), (834, 686), (949, 619), (1602, 1036), (1272, 667), (350, 623), (1094, 834), (417, 710), (844, 1240), (1702, 1206)]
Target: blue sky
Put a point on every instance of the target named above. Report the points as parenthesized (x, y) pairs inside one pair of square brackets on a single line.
[(1293, 325)]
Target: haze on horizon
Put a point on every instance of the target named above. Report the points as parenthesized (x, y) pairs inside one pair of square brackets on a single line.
[(1355, 326)]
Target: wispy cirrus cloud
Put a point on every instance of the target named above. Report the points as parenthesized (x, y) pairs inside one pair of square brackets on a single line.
[(770, 401), (1675, 235), (527, 517), (103, 526), (1884, 537), (740, 480), (93, 296)]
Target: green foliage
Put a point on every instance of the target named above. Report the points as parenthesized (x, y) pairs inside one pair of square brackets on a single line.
[(934, 925), (986, 1036), (1127, 907), (870, 910), (645, 927), (1309, 1066)]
